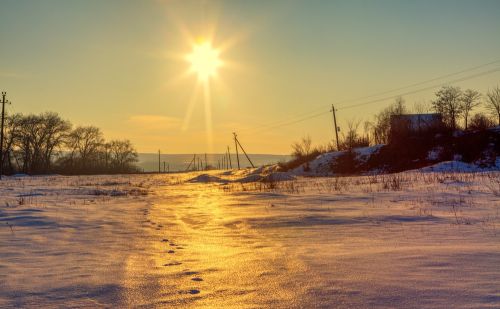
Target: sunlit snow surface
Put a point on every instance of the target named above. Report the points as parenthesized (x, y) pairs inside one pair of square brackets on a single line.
[(407, 240)]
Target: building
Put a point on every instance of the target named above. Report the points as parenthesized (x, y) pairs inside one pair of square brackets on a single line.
[(412, 125)]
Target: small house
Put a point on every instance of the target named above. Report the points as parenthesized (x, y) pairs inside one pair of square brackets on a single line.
[(413, 125)]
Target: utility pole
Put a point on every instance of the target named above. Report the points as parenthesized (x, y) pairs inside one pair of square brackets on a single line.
[(159, 162), (236, 145), (164, 166), (229, 157), (4, 94), (244, 151), (206, 162), (336, 128), (193, 160)]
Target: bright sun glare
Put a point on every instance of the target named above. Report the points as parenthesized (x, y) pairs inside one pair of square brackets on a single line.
[(204, 61)]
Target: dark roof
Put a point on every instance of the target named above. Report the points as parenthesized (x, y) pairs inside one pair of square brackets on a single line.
[(416, 121)]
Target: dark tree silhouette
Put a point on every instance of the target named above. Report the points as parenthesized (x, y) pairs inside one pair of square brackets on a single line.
[(381, 126), (449, 104), (45, 143), (470, 100), (480, 122), (493, 102)]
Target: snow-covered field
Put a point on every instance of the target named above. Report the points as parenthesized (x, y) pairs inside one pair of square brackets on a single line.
[(414, 239)]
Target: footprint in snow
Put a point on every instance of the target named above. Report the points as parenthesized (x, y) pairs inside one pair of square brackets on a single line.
[(172, 264), (194, 291), (197, 279), (171, 251), (164, 240)]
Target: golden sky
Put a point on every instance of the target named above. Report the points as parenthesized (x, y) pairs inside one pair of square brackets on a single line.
[(124, 65)]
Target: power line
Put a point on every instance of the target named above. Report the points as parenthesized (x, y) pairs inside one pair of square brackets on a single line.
[(282, 124), (294, 122), (314, 114), (424, 89), (421, 83)]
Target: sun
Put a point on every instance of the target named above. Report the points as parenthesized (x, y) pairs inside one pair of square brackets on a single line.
[(204, 60)]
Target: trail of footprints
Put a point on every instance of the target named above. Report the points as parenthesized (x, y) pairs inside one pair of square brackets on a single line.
[(172, 246)]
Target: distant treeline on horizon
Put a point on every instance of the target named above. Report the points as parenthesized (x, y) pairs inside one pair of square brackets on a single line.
[(46, 143)]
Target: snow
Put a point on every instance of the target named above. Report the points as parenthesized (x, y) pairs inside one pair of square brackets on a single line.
[(435, 153), (243, 176), (321, 166), (365, 152), (204, 178), (250, 178), (408, 240), (459, 166)]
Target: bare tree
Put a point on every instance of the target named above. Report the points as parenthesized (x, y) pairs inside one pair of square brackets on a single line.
[(27, 141), (32, 140), (34, 144), (11, 135), (420, 108), (352, 139), (470, 100), (481, 122), (381, 125), (449, 104), (55, 132), (399, 106), (84, 144), (123, 156), (493, 102), (302, 148)]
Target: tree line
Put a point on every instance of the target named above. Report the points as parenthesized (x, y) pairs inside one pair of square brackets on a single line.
[(453, 103), (46, 143)]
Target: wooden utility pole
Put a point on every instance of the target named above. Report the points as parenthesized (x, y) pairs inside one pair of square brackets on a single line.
[(159, 162), (4, 101), (164, 167), (229, 157), (236, 145), (336, 128), (244, 151), (206, 162), (193, 160)]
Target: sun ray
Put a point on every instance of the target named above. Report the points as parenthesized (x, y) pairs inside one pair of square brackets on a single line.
[(208, 116), (190, 109)]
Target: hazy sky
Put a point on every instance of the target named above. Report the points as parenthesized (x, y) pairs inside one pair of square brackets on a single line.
[(119, 64)]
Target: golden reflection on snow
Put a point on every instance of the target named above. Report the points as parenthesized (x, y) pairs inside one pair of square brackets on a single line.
[(212, 258)]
